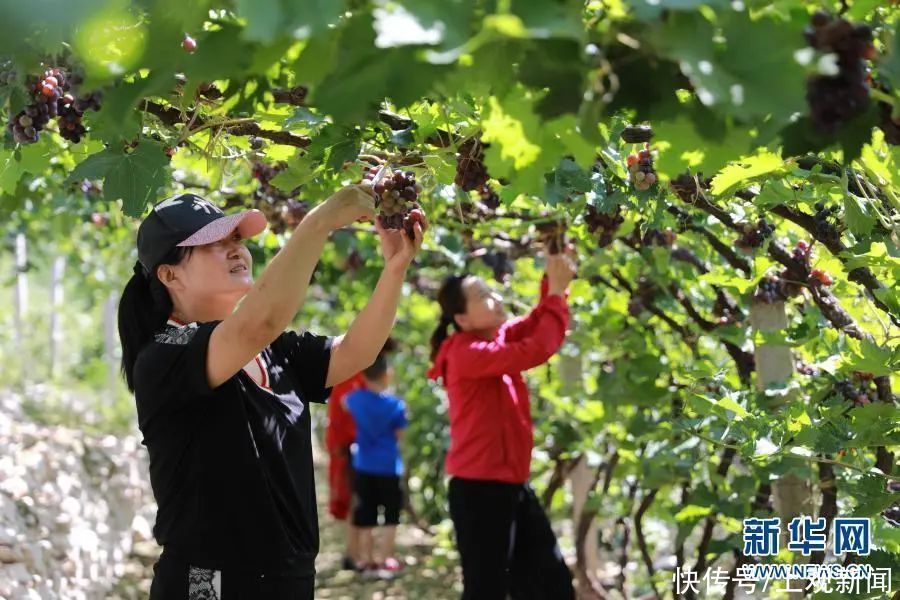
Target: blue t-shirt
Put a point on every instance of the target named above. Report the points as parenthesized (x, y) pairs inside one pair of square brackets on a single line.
[(377, 417)]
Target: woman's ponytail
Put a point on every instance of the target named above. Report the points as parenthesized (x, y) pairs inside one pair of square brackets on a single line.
[(453, 302), (143, 310), (440, 334)]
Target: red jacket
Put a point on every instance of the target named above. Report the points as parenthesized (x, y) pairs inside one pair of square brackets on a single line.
[(340, 431), (491, 434)]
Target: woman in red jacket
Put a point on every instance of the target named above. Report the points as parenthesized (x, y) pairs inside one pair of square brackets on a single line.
[(505, 541)]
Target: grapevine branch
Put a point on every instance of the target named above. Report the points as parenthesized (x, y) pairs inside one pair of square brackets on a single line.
[(860, 275), (760, 503), (726, 251), (646, 501), (728, 454), (172, 116)]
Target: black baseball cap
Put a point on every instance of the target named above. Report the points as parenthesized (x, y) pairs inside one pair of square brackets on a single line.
[(189, 220)]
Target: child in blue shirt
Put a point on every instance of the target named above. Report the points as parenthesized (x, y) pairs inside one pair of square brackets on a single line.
[(379, 418)]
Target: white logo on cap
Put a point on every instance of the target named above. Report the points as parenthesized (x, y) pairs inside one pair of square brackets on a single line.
[(197, 202)]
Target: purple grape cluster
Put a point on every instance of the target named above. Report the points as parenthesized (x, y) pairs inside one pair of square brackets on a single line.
[(471, 173), (489, 197), (603, 225), (769, 290), (835, 99), (754, 235)]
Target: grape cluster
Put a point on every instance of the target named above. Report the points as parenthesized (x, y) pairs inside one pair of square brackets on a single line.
[(725, 310), (889, 125), (471, 174), (553, 235), (656, 237), (273, 202), (293, 212), (640, 168), (835, 99), (489, 197), (500, 265), (793, 277), (769, 290), (52, 98), (823, 218), (637, 134), (859, 393), (805, 369), (754, 235), (643, 296), (892, 513), (397, 193), (603, 225), (687, 187)]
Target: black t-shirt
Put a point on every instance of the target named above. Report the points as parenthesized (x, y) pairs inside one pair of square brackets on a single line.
[(231, 467)]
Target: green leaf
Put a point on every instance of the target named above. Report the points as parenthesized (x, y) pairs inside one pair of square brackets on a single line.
[(264, 18), (452, 18), (558, 18), (134, 177), (513, 130), (869, 357), (566, 180), (741, 172), (298, 172), (774, 192), (858, 215), (877, 256), (752, 74)]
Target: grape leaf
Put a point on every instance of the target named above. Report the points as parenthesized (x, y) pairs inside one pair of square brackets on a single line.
[(132, 177), (264, 18), (858, 215), (745, 170)]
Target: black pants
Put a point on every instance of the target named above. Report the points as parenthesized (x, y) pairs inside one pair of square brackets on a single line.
[(505, 543), (174, 579)]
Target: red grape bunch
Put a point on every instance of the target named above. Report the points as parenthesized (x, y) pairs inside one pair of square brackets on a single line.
[(52, 98), (640, 169), (603, 225), (396, 194), (471, 174), (835, 99)]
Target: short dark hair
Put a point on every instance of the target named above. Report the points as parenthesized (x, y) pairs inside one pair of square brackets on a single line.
[(377, 369)]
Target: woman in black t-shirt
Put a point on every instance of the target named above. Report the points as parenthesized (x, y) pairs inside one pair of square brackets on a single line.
[(223, 390)]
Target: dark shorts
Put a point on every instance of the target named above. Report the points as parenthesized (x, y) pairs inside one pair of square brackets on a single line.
[(374, 492), (175, 579)]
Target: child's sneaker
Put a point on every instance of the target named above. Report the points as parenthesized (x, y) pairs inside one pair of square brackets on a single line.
[(390, 568), (348, 564), (370, 571)]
